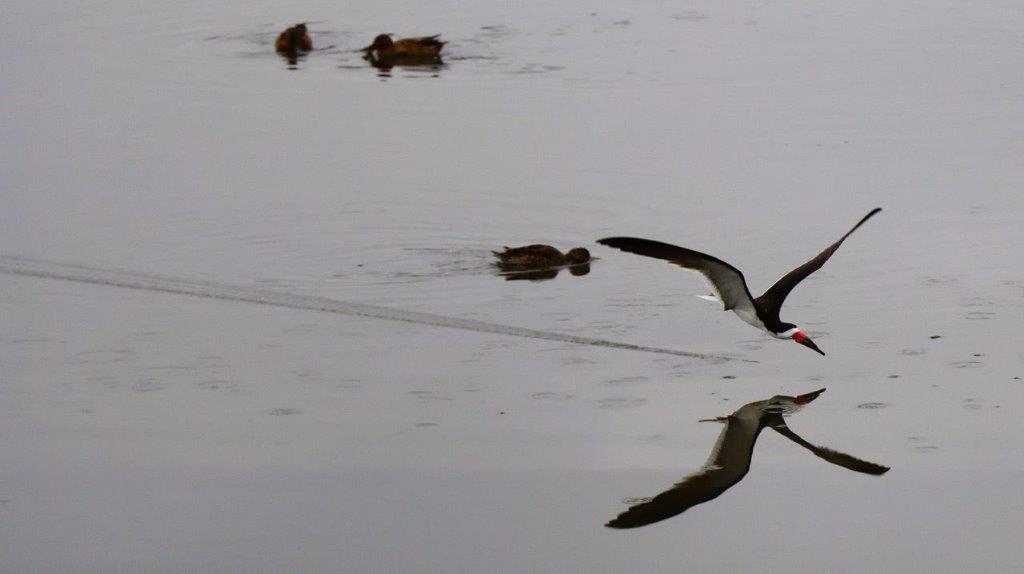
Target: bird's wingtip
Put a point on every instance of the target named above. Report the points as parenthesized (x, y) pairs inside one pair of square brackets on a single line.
[(618, 525)]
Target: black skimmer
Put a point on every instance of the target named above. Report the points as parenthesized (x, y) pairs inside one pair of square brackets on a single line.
[(730, 460), (730, 286)]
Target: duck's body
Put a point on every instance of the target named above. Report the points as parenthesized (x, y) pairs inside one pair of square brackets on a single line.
[(294, 40), (404, 52), (540, 257)]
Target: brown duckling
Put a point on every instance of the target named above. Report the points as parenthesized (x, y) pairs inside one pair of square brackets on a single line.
[(404, 52), (294, 40), (539, 257)]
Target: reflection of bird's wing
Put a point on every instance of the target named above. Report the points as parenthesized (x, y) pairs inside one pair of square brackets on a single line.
[(773, 298), (728, 464), (835, 457), (726, 280)]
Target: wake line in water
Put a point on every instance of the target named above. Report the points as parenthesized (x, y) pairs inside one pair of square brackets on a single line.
[(147, 282)]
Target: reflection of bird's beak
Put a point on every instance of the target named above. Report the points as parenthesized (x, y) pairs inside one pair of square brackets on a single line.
[(804, 399), (807, 342)]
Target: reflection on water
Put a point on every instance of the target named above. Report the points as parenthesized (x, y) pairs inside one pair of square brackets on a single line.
[(544, 274), (730, 460), (423, 70), (292, 57)]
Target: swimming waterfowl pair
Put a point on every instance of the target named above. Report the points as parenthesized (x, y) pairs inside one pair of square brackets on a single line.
[(293, 41), (385, 52)]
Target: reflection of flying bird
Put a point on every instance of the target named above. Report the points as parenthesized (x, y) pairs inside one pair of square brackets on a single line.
[(731, 287), (730, 460)]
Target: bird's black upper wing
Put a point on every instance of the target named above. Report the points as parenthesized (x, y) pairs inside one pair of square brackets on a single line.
[(726, 280), (773, 298)]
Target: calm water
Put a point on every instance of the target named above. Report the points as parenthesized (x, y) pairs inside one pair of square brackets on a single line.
[(159, 432)]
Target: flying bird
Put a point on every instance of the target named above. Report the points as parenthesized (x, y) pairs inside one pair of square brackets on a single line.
[(730, 286), (730, 460)]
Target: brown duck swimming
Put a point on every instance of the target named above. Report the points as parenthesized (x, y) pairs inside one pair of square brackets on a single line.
[(539, 257), (293, 40), (404, 52)]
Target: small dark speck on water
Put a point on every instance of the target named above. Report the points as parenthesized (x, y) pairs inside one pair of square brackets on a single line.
[(978, 355), (935, 337), (501, 413), (894, 376), (729, 377)]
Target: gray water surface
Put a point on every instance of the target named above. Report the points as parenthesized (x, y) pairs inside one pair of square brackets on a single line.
[(158, 432)]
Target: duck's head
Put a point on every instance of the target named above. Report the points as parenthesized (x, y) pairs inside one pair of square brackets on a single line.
[(297, 31), (381, 41), (793, 332), (577, 255)]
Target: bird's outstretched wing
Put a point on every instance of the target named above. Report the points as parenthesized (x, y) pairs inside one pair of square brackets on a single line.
[(699, 487), (835, 457), (727, 465), (726, 280), (773, 298)]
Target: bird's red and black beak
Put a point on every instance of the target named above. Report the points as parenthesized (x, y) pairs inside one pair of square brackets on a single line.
[(804, 399), (803, 339)]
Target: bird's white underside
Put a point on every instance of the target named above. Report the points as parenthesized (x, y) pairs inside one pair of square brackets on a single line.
[(736, 292)]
